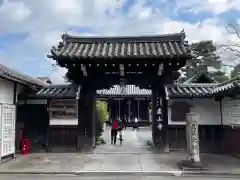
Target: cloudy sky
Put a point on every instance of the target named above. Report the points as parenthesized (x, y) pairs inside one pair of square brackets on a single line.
[(29, 28)]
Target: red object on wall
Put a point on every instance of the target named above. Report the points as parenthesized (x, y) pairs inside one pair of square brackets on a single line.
[(25, 146)]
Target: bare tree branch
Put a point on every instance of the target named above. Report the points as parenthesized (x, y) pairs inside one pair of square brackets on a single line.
[(53, 69), (230, 44), (233, 45), (233, 29)]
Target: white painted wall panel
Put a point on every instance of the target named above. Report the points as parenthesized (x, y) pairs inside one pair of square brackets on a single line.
[(60, 122), (208, 109), (231, 111), (6, 91)]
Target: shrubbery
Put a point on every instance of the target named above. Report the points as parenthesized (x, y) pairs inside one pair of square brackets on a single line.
[(101, 117)]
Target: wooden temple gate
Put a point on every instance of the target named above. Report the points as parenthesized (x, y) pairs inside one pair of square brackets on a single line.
[(95, 63)]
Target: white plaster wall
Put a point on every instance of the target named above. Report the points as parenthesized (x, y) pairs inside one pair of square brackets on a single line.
[(6, 91), (36, 101), (208, 109), (231, 111), (54, 122)]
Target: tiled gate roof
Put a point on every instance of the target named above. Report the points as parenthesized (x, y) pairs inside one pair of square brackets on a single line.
[(118, 90), (227, 85), (168, 45), (190, 90), (173, 91)]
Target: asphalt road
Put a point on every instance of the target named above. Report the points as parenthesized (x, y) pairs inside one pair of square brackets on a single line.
[(69, 177)]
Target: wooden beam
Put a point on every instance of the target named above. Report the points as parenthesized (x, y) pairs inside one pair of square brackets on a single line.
[(154, 117), (121, 68), (84, 70), (160, 69), (15, 93)]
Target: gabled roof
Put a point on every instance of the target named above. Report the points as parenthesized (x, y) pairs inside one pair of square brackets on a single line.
[(63, 91), (45, 79), (190, 90), (13, 75), (228, 86), (173, 91), (197, 78), (168, 45), (127, 90)]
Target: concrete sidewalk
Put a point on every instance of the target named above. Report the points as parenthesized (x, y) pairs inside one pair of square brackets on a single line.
[(117, 164), (134, 157), (82, 163)]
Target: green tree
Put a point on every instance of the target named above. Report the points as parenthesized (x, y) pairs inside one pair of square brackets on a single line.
[(236, 71), (205, 52), (100, 117), (205, 55), (101, 107), (220, 76)]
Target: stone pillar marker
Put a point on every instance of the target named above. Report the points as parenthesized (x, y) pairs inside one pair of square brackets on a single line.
[(192, 137), (193, 162)]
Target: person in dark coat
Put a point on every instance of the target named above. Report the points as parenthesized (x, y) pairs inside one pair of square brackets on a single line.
[(125, 122), (114, 130)]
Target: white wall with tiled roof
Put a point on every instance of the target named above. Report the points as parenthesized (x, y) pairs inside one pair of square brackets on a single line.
[(231, 111), (8, 115), (208, 109), (7, 91)]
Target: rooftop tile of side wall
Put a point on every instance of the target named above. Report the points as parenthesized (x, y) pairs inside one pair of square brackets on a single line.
[(208, 109)]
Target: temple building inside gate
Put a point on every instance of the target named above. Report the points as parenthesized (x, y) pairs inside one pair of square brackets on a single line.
[(127, 101)]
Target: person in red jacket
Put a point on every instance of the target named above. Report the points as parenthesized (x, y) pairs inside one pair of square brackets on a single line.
[(114, 130)]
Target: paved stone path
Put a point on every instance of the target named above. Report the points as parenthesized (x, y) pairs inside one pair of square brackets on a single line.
[(132, 137), (68, 177), (135, 142), (133, 155)]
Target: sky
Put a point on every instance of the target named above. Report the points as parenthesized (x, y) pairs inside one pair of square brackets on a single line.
[(29, 28)]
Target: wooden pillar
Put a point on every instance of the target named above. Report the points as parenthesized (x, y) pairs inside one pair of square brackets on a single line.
[(221, 134), (213, 138), (79, 128), (148, 114), (15, 95), (47, 140), (165, 122), (78, 140), (119, 109), (47, 137), (129, 110), (93, 118), (138, 106), (110, 111), (86, 118), (154, 117)]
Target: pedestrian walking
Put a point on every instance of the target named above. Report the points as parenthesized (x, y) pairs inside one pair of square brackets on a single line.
[(125, 122), (114, 130), (120, 129), (136, 123)]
